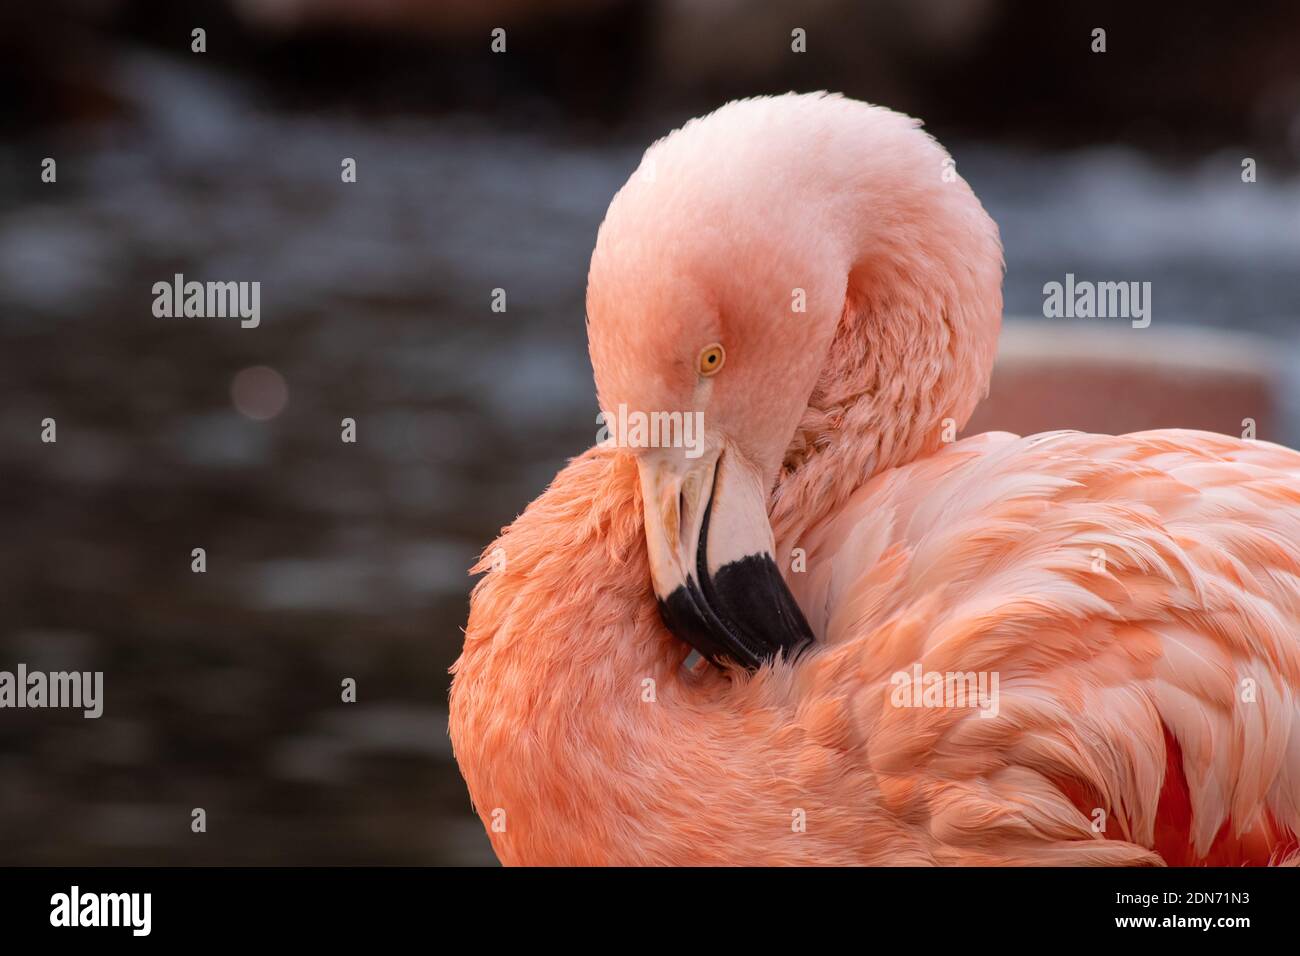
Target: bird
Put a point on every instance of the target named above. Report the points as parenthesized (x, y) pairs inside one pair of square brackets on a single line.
[(831, 633)]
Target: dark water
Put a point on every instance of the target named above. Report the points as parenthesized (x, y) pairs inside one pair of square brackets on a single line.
[(328, 560)]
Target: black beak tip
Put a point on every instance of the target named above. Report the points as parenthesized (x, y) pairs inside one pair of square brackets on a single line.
[(744, 612)]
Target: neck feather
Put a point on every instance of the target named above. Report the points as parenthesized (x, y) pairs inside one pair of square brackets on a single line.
[(907, 365)]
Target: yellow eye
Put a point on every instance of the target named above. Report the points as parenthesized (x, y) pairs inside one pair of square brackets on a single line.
[(711, 359)]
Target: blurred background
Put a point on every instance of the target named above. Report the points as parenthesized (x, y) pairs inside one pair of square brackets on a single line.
[(475, 171)]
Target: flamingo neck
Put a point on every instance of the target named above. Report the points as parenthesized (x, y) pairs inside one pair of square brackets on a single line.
[(555, 714), (902, 376)]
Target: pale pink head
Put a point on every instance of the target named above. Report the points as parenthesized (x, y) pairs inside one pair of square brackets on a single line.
[(853, 283)]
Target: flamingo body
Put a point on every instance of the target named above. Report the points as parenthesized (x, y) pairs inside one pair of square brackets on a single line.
[(1133, 601)]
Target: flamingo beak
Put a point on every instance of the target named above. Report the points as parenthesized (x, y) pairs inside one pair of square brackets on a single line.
[(710, 547)]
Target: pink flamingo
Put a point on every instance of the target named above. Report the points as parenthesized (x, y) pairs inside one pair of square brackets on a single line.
[(1113, 621)]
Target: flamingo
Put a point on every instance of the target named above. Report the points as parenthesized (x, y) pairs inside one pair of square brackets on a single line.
[(1132, 603)]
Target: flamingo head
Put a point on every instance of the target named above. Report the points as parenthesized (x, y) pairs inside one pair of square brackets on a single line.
[(776, 252)]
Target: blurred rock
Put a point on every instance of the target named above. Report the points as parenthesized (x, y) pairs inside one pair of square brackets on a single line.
[(1115, 379)]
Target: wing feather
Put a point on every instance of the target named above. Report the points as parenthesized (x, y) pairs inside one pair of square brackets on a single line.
[(1137, 598)]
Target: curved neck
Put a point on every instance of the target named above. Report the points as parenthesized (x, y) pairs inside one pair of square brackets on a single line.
[(906, 367)]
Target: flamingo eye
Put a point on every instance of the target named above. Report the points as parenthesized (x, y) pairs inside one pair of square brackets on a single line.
[(711, 359)]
